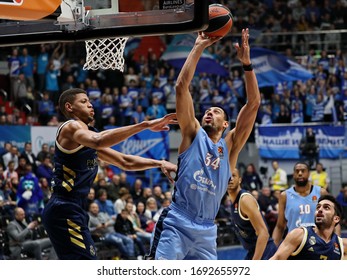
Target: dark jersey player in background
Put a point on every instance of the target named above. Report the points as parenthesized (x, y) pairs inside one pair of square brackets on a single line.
[(248, 222), (318, 242), (78, 146)]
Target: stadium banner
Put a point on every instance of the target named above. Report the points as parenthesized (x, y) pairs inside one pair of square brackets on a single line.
[(282, 142), (148, 144), (41, 135), (272, 68), (16, 135), (20, 134)]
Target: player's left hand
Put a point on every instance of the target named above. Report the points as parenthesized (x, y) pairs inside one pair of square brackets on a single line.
[(243, 51), (163, 123), (168, 167)]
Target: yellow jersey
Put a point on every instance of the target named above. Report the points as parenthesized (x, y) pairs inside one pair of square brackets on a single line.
[(320, 179)]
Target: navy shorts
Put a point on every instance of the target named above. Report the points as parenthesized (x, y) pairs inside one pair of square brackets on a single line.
[(66, 223)]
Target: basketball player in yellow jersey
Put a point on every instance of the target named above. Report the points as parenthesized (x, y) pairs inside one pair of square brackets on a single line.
[(320, 177)]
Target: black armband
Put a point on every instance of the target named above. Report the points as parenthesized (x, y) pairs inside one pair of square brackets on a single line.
[(247, 67)]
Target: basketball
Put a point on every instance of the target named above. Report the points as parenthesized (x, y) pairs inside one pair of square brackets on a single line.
[(220, 21)]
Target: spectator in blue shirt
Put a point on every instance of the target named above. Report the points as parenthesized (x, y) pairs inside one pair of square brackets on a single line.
[(126, 106), (45, 169), (156, 110), (52, 83), (146, 76), (94, 94), (318, 107), (133, 92), (46, 108), (157, 91), (138, 115), (41, 67), (297, 115), (344, 81), (309, 102), (27, 67), (144, 95), (105, 204), (107, 109), (14, 68)]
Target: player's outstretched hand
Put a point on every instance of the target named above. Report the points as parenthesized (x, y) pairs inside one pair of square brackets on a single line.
[(206, 41), (243, 51), (167, 168), (163, 123)]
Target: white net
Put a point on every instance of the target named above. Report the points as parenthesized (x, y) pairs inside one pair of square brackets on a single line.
[(105, 54)]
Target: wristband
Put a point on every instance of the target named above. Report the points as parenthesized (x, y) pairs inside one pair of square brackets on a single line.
[(247, 67)]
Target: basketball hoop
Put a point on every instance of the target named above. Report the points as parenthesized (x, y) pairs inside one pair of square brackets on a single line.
[(105, 54)]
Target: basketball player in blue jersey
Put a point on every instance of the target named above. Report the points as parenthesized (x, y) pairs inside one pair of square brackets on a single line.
[(248, 222), (186, 229), (297, 204), (78, 146), (319, 242)]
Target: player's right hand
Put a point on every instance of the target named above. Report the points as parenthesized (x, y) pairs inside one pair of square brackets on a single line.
[(162, 124)]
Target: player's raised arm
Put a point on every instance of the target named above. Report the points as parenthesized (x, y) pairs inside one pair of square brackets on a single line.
[(78, 132), (135, 163), (189, 125), (238, 136)]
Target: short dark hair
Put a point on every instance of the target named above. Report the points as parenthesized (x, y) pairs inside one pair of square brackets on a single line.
[(337, 206), (226, 116), (304, 163), (68, 96)]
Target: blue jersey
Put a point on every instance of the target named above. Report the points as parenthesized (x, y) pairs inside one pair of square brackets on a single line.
[(74, 170), (300, 209), (186, 229), (245, 231), (313, 247), (202, 177)]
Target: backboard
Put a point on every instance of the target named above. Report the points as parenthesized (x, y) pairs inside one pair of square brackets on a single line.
[(80, 20)]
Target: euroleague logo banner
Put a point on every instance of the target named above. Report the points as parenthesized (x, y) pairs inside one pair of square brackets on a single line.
[(11, 2)]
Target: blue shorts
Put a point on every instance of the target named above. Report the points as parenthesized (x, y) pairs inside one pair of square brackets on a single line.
[(66, 223), (178, 237)]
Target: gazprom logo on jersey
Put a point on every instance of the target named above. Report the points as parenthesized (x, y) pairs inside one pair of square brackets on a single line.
[(199, 177), (203, 183), (11, 2)]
